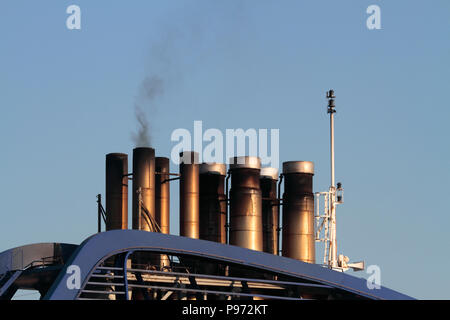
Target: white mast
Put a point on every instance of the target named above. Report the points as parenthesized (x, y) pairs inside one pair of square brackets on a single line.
[(326, 220), (333, 244)]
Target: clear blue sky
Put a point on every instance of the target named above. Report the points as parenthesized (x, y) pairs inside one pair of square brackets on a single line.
[(67, 96)]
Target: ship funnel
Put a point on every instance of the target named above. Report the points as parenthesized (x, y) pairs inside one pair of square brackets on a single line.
[(298, 211), (116, 191), (144, 189), (212, 202), (189, 195), (245, 203), (162, 193), (268, 182)]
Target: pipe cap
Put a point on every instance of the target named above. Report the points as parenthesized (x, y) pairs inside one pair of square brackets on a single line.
[(213, 167), (269, 173), (144, 149), (117, 155), (298, 167), (245, 162), (189, 157)]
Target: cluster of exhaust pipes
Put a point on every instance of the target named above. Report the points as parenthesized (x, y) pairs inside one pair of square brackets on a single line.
[(246, 215)]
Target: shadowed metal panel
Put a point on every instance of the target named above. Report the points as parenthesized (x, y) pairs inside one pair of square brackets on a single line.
[(116, 191), (21, 257)]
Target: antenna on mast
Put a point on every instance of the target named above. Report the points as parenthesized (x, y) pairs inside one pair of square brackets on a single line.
[(326, 220)]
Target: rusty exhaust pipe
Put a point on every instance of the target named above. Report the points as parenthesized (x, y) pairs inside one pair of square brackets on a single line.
[(298, 211), (189, 195), (212, 202), (162, 202), (162, 193), (143, 182), (116, 191), (246, 203), (268, 180)]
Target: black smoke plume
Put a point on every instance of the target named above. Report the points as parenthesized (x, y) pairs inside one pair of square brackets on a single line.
[(151, 88)]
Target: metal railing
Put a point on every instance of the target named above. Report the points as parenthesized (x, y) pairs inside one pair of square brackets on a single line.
[(118, 282)]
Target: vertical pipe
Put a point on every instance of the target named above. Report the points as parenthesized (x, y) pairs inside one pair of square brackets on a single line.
[(268, 181), (333, 256), (279, 204), (162, 194), (99, 213), (212, 202), (189, 195), (298, 211), (116, 191), (333, 245), (227, 215), (245, 203), (144, 180), (143, 190), (162, 202), (332, 147)]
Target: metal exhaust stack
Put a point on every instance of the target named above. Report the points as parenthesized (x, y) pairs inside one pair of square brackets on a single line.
[(143, 187), (189, 195), (268, 180), (298, 211), (162, 202), (116, 191), (245, 203), (212, 202), (162, 194)]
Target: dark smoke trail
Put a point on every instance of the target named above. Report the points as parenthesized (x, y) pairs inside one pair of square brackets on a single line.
[(179, 45), (151, 88), (142, 137)]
